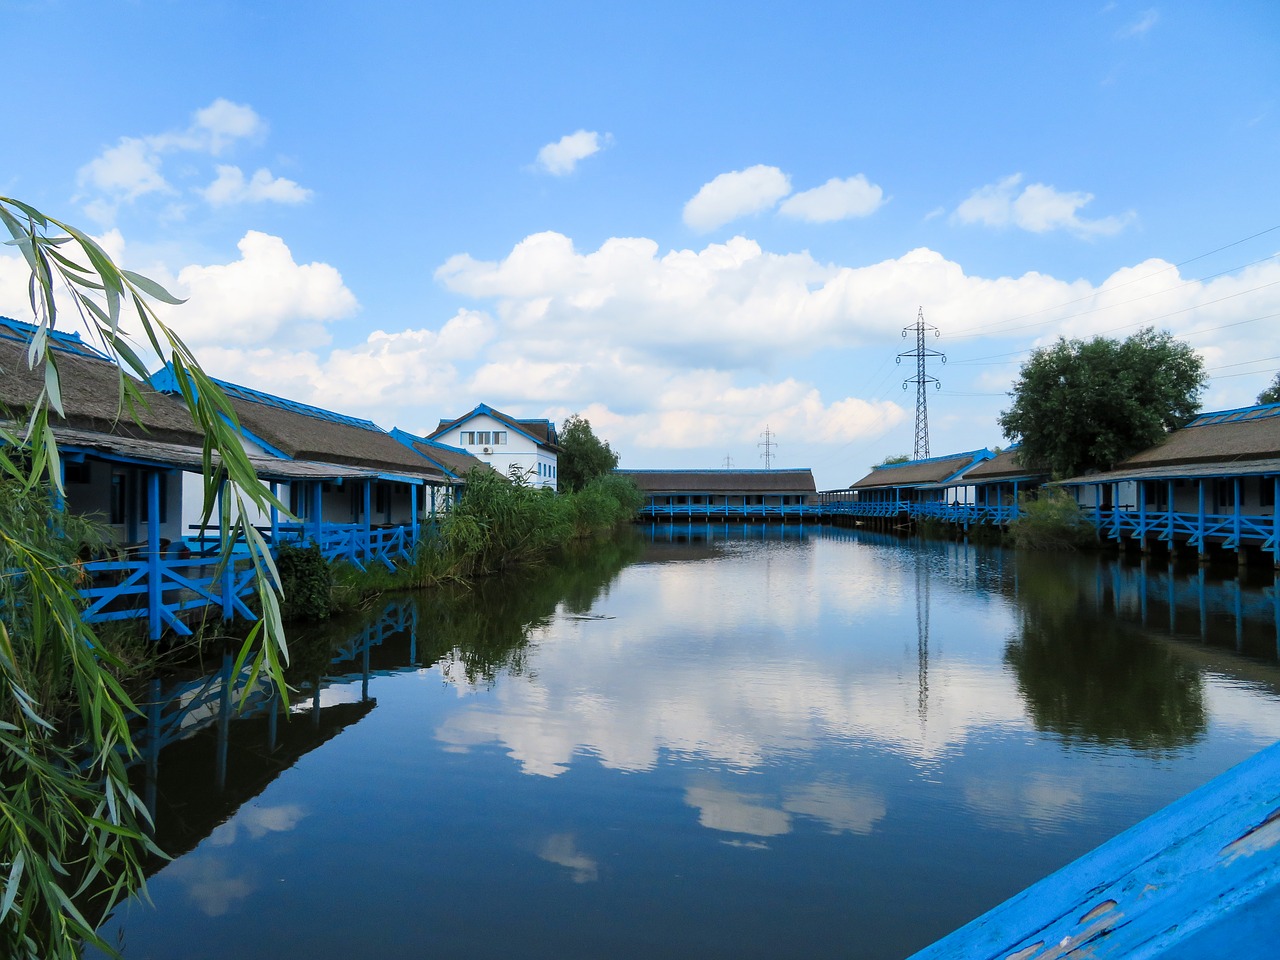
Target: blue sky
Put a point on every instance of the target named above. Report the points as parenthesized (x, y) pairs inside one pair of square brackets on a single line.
[(685, 221)]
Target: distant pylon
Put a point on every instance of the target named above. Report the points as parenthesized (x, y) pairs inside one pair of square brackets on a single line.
[(728, 463), (920, 380), (768, 443)]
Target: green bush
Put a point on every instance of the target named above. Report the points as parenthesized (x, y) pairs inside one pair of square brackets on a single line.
[(307, 582), (1050, 521)]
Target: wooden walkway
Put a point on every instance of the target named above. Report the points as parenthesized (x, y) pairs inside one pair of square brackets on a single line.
[(1199, 879)]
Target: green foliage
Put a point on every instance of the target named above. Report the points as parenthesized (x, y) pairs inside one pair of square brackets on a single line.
[(1105, 684), (499, 524), (1050, 521), (70, 826), (892, 459), (1081, 405), (605, 502), (1272, 393), (307, 581), (583, 456)]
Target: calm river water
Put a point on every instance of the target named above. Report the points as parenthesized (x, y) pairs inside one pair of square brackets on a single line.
[(699, 742)]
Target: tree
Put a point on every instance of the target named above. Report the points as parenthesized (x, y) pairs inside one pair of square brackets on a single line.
[(1081, 405), (1272, 393), (893, 460), (72, 831), (583, 455)]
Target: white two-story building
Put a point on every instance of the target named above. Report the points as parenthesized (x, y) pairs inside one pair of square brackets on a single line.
[(528, 448)]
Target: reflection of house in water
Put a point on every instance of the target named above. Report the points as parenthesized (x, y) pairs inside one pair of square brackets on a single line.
[(204, 755)]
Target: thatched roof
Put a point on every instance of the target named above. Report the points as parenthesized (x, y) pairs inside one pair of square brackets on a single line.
[(542, 432), (1247, 434), (723, 481), (1228, 443), (919, 473), (191, 458), (300, 431), (1003, 466), (90, 387), (450, 459)]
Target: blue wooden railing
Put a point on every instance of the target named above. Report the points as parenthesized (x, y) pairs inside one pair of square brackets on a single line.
[(161, 587)]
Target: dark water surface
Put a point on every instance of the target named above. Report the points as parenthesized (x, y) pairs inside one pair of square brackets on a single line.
[(702, 742)]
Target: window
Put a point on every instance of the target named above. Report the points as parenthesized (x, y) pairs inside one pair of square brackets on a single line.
[(482, 438), (468, 438), (499, 438), (1266, 491), (74, 471)]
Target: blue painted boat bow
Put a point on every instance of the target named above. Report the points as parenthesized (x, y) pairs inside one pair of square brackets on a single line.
[(1199, 879)]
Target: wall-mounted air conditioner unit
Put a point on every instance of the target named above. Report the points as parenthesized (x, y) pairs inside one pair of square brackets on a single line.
[(488, 450)]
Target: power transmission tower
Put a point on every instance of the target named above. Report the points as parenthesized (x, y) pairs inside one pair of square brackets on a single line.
[(728, 463), (768, 443), (920, 380)]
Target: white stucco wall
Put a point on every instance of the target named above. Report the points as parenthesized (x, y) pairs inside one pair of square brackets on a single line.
[(515, 451)]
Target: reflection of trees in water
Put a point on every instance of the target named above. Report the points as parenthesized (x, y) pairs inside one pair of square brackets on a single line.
[(485, 627), (1088, 677)]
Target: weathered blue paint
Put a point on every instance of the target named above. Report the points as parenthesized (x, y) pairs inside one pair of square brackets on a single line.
[(1200, 878)]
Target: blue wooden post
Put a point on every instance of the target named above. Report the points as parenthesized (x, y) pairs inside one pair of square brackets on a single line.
[(1200, 528), (1235, 518), (275, 515), (413, 513), (1142, 520), (368, 505), (1169, 517), (228, 567), (155, 595), (1275, 525), (317, 507)]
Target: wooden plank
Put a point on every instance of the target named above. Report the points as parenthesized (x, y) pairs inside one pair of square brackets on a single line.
[(1200, 878)]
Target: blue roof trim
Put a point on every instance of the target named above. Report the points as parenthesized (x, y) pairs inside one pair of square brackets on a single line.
[(1263, 411), (165, 381), (409, 439), (976, 456), (251, 436), (506, 421), (18, 330)]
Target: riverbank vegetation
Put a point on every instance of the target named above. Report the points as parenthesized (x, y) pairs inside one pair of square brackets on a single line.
[(1052, 520), (498, 526)]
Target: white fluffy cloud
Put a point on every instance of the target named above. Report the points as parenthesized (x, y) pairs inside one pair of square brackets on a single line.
[(1038, 208), (129, 169), (733, 195), (836, 199), (262, 295), (133, 167), (561, 158), (232, 187)]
